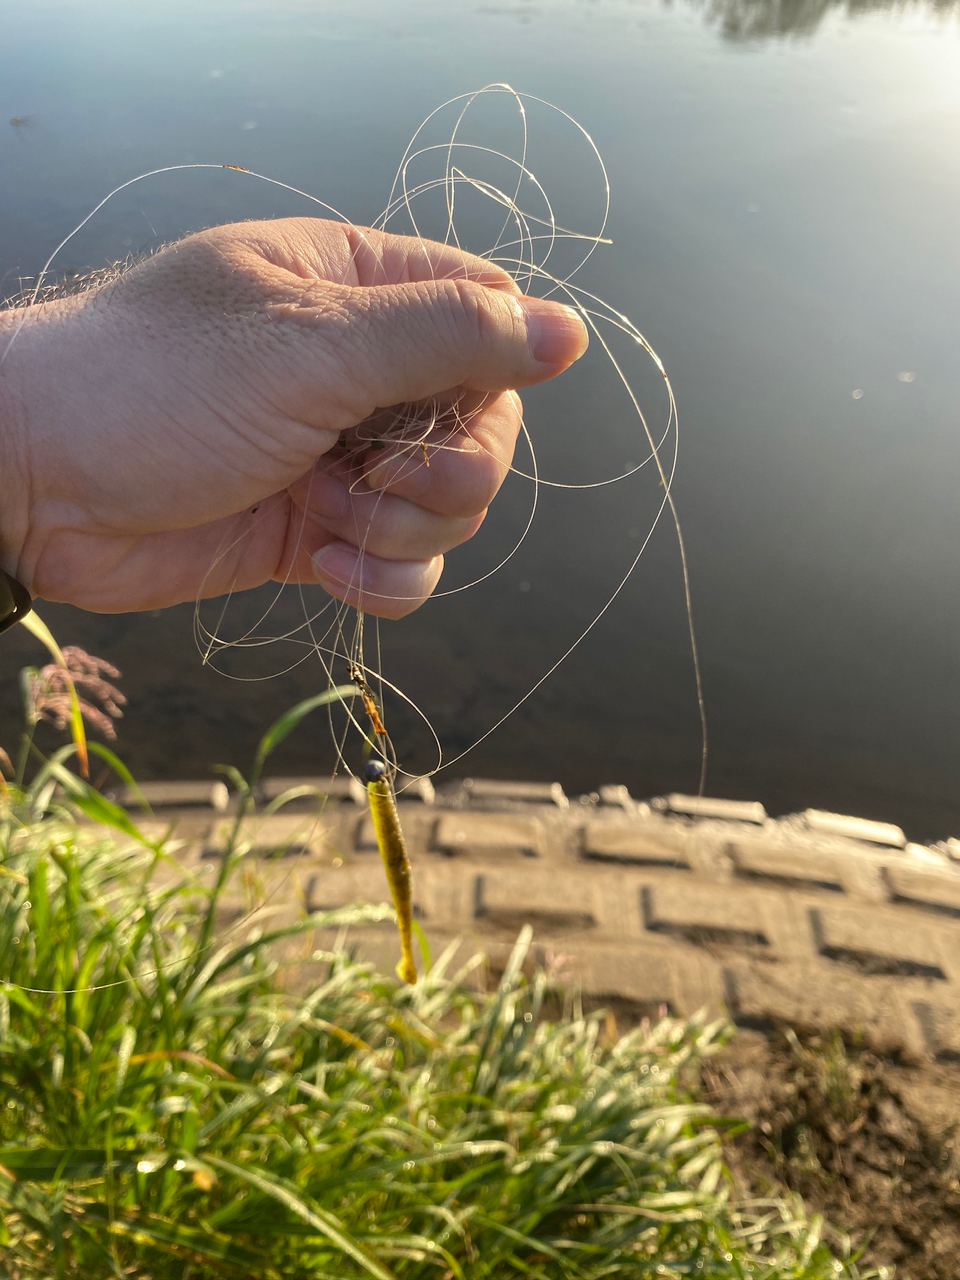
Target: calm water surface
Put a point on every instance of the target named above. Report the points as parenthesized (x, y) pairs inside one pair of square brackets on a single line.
[(786, 197)]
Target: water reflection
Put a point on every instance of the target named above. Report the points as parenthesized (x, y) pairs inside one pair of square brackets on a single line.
[(785, 205), (744, 21)]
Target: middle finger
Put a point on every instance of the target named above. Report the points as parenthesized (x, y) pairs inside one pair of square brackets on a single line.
[(393, 528), (456, 466)]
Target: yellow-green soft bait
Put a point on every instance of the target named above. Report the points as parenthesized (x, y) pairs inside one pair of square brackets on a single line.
[(393, 850)]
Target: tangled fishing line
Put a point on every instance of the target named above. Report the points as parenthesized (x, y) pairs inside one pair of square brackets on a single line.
[(441, 187), (454, 188)]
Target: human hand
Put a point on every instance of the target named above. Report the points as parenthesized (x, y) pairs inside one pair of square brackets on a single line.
[(171, 434)]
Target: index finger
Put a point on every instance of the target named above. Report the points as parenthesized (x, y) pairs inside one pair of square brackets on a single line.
[(457, 468)]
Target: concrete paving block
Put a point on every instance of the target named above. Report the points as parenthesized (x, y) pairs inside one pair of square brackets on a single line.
[(820, 918), (926, 855), (649, 977), (786, 922), (628, 973), (331, 887), (366, 841), (861, 870), (609, 842), (785, 865), (705, 914), (841, 824), (416, 789), (445, 893), (616, 796), (877, 942), (257, 918), (940, 1024), (938, 891), (183, 857), (503, 835), (173, 795), (818, 998), (507, 899), (492, 789), (191, 828), (710, 807), (338, 789), (279, 835), (613, 890), (157, 829)]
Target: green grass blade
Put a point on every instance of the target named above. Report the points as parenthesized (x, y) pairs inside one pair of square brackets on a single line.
[(286, 724), (202, 1245), (325, 1223), (46, 1164)]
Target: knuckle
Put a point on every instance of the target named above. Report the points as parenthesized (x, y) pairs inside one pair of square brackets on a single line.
[(472, 310), (480, 487)]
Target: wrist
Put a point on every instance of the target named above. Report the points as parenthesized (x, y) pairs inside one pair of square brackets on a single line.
[(14, 435)]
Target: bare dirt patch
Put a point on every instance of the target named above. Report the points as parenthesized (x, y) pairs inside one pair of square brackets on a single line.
[(869, 1140)]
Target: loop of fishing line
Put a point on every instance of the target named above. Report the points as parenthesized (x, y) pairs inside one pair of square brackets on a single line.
[(524, 242)]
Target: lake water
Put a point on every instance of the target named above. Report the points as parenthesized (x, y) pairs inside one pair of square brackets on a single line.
[(785, 203)]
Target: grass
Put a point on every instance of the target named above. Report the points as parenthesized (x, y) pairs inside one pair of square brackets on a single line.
[(170, 1109)]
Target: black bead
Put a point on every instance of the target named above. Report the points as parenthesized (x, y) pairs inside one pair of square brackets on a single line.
[(374, 770)]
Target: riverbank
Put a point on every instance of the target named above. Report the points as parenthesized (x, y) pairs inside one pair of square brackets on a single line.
[(679, 903), (173, 1103)]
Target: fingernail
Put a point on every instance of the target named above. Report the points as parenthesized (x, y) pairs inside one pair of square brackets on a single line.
[(380, 474), (339, 564), (556, 333), (388, 472)]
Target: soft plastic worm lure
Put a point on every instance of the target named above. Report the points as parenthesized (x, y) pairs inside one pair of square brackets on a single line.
[(393, 850)]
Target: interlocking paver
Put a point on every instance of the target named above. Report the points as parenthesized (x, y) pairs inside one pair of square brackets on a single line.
[(614, 889), (173, 795), (819, 924), (841, 824), (940, 1024), (646, 976), (814, 996), (330, 887), (785, 865), (861, 870), (331, 789), (877, 942), (939, 891), (489, 834), (417, 822), (708, 807), (634, 842), (704, 913), (618, 796), (508, 899), (421, 789), (493, 790), (280, 834)]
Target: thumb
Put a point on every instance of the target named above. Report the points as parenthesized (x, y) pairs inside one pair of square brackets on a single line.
[(404, 342)]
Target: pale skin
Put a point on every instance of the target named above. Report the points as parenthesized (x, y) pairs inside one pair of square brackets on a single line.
[(196, 401)]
